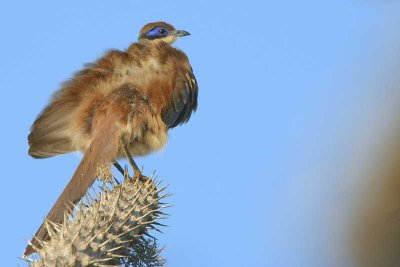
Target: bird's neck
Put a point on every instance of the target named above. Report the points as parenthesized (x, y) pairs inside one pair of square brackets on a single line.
[(147, 46)]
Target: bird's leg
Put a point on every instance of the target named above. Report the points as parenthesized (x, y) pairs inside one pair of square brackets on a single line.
[(137, 173), (119, 167)]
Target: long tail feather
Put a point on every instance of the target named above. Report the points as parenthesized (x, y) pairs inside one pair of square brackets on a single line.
[(102, 150)]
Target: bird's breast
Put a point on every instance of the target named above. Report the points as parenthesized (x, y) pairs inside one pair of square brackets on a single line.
[(146, 87), (144, 133)]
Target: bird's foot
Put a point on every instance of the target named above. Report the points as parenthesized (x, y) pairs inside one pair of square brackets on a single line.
[(137, 174)]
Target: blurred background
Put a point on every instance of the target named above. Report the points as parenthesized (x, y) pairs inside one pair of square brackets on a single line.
[(293, 158)]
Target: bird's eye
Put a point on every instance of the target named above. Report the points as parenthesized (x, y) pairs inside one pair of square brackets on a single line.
[(157, 32)]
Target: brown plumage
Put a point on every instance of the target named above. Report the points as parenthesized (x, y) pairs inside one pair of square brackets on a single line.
[(125, 100)]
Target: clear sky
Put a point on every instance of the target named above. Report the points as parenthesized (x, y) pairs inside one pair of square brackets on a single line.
[(293, 95)]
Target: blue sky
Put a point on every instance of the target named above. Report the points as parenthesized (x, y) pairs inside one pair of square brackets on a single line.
[(296, 98)]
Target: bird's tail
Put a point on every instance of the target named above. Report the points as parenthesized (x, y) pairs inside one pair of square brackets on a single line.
[(102, 150)]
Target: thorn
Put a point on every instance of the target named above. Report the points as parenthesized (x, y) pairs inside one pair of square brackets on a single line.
[(49, 229), (118, 256), (41, 243), (162, 213), (70, 209), (91, 197), (116, 180), (56, 227), (161, 217), (160, 224), (126, 173), (149, 235), (77, 232), (157, 183), (35, 248), (161, 189), (164, 196), (100, 260), (154, 228), (167, 206), (116, 248), (25, 258), (87, 199)]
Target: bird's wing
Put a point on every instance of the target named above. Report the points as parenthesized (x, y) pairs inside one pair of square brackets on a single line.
[(183, 100), (105, 138), (50, 133)]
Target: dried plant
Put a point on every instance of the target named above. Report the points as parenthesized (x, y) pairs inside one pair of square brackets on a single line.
[(108, 229)]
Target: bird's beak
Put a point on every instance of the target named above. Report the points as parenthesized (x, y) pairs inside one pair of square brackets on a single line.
[(180, 33)]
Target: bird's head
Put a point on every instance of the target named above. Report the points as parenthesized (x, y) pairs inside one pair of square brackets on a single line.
[(160, 31)]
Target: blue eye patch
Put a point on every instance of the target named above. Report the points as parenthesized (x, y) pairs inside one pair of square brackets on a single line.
[(157, 32)]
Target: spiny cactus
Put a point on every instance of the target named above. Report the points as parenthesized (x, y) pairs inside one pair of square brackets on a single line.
[(108, 230)]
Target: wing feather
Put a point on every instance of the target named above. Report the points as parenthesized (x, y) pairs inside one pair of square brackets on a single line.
[(50, 133), (183, 101)]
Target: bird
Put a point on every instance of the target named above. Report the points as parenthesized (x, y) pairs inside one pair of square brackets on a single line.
[(120, 106)]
